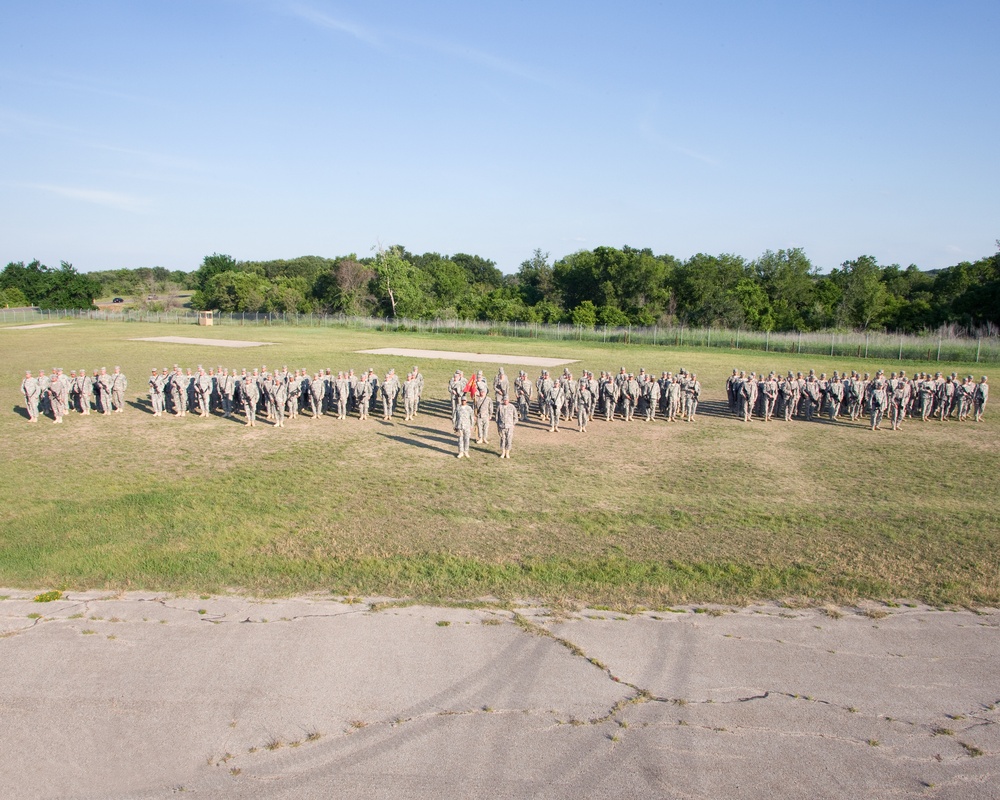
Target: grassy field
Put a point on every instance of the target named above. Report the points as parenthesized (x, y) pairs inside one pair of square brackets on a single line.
[(627, 515)]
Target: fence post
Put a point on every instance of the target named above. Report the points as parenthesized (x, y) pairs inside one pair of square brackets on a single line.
[(979, 344), (800, 343)]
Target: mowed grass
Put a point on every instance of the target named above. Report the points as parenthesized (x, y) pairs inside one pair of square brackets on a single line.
[(636, 515)]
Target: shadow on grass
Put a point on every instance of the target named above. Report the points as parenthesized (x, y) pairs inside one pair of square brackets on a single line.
[(424, 445), (22, 412)]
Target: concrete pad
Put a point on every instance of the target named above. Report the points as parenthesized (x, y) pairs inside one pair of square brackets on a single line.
[(206, 342), (36, 325), (142, 695), (483, 358)]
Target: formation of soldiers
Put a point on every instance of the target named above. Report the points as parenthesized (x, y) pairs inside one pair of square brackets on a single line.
[(57, 394), (563, 397), (855, 396), (282, 394), (285, 394)]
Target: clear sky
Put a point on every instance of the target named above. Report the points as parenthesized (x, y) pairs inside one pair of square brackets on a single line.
[(154, 132)]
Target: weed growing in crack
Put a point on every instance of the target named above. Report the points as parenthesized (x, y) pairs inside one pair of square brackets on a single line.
[(274, 743), (48, 597), (971, 749), (492, 621), (34, 615), (358, 724), (442, 623), (875, 613), (874, 743), (832, 612), (234, 771), (88, 632), (313, 735), (943, 732), (202, 611)]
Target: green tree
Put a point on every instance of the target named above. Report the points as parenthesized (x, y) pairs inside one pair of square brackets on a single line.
[(13, 298), (864, 296), (584, 314), (536, 281), (398, 286), (789, 280), (213, 265), (233, 290)]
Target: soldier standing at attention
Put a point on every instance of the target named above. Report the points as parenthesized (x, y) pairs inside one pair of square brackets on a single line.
[(58, 395), (341, 393), (227, 388), (835, 394), (484, 412), (411, 394), (506, 420), (277, 390), (202, 391), (692, 392), (463, 426), (363, 396), (651, 393), (585, 406), (103, 387), (29, 387), (390, 390), (522, 386), (455, 388), (878, 398), (501, 385), (554, 401), (86, 384), (156, 393), (250, 393), (316, 391), (979, 398), (119, 384), (419, 380)]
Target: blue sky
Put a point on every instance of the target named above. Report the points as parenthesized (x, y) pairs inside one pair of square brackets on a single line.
[(154, 133)]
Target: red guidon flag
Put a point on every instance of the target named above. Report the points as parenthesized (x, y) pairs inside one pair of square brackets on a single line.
[(470, 387)]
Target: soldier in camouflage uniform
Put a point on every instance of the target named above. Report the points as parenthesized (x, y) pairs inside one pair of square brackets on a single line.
[(463, 426), (522, 388), (585, 406), (363, 397), (484, 412), (878, 399), (32, 394), (980, 398), (156, 386), (411, 396), (506, 420)]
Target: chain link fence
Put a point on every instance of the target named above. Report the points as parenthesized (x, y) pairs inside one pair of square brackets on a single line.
[(945, 345)]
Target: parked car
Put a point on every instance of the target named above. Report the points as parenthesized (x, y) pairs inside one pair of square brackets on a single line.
[(118, 300)]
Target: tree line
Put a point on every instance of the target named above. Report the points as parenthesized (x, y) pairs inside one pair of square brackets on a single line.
[(778, 291)]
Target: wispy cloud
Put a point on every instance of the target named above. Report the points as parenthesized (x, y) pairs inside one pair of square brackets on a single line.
[(480, 57), (318, 18), (74, 84), (647, 132), (381, 40), (99, 197)]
